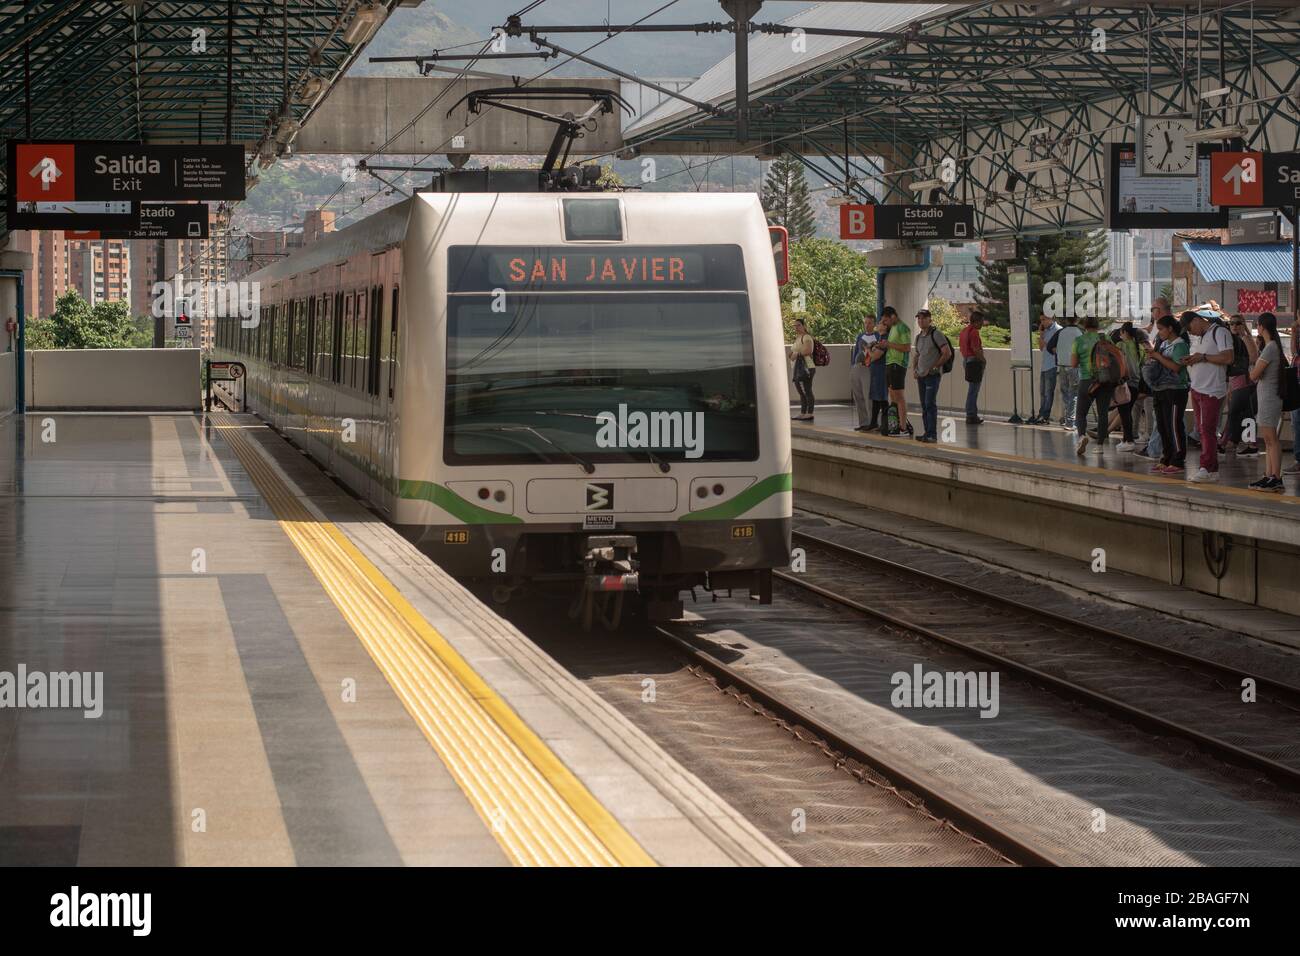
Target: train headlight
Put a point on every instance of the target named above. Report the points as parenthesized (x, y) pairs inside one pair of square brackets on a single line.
[(491, 495)]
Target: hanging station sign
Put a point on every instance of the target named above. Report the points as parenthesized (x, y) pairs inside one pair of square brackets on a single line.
[(158, 220), (103, 170), (1255, 179), (914, 223)]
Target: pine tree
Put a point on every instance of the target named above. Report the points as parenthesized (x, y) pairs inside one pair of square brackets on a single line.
[(785, 198), (1049, 258)]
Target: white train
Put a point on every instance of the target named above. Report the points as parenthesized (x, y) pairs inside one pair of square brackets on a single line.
[(544, 386)]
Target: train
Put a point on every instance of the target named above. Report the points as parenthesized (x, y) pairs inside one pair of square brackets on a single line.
[(543, 389)]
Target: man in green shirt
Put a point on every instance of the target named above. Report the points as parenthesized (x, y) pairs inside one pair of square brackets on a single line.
[(898, 345)]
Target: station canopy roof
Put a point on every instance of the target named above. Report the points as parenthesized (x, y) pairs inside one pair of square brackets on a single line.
[(156, 72), (966, 66)]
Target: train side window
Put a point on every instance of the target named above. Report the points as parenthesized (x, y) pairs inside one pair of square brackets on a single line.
[(349, 336), (284, 322), (270, 335), (376, 335), (336, 345), (392, 348), (298, 352), (309, 343), (363, 341)]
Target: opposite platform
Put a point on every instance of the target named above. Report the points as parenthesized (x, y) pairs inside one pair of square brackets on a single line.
[(1026, 484)]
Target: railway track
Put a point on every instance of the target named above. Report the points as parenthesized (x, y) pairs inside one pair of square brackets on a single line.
[(1183, 695), (798, 721), (864, 808)]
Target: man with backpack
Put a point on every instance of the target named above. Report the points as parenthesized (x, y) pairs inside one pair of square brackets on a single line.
[(1207, 366), (1047, 342), (933, 358), (1101, 368)]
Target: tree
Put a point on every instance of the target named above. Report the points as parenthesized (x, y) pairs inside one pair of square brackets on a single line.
[(785, 198), (1049, 258), (950, 323), (834, 285), (75, 324)]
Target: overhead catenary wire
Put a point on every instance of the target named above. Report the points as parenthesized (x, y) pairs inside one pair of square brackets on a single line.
[(475, 120)]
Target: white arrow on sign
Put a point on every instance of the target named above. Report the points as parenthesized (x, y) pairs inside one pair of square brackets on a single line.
[(1242, 172), (48, 172)]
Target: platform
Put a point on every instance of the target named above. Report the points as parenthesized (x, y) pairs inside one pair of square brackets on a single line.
[(286, 681), (1025, 484)]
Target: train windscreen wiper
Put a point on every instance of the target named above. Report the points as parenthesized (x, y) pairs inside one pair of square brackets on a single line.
[(587, 466), (650, 455)]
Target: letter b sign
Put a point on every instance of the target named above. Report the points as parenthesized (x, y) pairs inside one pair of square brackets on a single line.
[(857, 222)]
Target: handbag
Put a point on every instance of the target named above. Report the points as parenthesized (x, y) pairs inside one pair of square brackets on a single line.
[(1288, 388), (1122, 394), (974, 369)]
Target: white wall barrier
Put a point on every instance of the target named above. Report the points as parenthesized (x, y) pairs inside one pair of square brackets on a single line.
[(113, 379), (8, 385)]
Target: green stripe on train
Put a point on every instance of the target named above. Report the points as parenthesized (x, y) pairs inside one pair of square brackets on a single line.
[(452, 503), (749, 498)]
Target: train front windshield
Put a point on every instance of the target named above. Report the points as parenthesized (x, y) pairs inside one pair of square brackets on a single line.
[(600, 377)]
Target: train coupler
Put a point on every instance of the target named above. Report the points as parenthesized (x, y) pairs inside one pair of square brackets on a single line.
[(611, 563)]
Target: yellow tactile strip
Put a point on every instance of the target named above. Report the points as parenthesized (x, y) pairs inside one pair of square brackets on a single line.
[(538, 811)]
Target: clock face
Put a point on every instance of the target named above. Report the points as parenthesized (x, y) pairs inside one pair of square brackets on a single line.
[(1163, 147)]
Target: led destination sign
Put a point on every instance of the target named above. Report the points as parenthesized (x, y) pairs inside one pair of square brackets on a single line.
[(602, 268)]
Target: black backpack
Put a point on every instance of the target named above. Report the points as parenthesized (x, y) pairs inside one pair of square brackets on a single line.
[(952, 354), (1051, 343)]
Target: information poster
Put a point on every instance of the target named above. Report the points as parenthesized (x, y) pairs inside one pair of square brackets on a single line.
[(1018, 306)]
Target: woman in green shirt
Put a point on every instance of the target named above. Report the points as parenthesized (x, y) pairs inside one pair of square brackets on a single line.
[(1170, 392)]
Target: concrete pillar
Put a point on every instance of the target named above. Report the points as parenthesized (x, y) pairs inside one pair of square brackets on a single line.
[(905, 291)]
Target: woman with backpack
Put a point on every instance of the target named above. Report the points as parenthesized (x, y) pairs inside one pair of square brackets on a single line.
[(1241, 390), (1266, 374), (801, 354), (1125, 339), (1101, 371), (1167, 378)]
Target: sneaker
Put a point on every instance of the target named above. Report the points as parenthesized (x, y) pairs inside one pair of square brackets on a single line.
[(1276, 484), (1141, 453), (927, 440), (975, 421), (862, 428), (1261, 484), (1292, 469), (1032, 421), (1247, 451), (1201, 475), (1125, 446), (1081, 445), (871, 427)]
